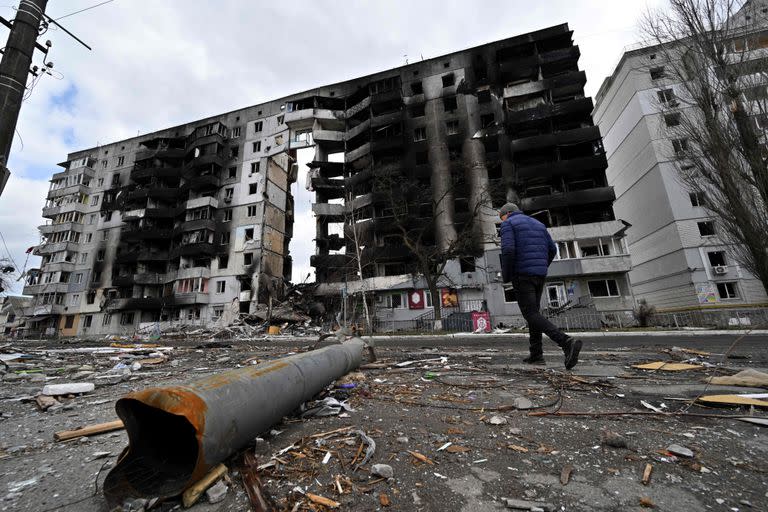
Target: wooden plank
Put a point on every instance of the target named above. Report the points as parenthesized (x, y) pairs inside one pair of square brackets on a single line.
[(88, 431), (192, 494)]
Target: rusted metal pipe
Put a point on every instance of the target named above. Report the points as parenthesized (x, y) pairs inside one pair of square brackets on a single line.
[(176, 434)]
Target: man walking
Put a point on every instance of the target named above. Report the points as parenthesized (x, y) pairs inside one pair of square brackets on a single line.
[(527, 250)]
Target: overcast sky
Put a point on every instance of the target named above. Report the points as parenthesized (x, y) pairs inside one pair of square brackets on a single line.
[(159, 63)]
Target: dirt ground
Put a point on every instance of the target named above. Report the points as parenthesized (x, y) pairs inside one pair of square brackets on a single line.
[(462, 427)]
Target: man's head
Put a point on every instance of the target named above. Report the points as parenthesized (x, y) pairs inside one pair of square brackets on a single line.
[(505, 210)]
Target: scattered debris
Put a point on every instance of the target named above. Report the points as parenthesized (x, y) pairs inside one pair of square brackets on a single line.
[(680, 451), (668, 366), (320, 500), (612, 439), (522, 403), (763, 422), (90, 430), (382, 470), (45, 402), (649, 406), (497, 420), (420, 457), (384, 500), (217, 492), (647, 474), (74, 388), (565, 474), (745, 378), (192, 494), (646, 502), (532, 506), (733, 400)]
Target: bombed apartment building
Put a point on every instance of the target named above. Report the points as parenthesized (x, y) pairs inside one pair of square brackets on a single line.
[(191, 224), (187, 225), (465, 132)]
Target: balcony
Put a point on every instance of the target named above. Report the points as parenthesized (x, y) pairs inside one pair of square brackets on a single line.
[(133, 234), (357, 153), (580, 106), (192, 273), (146, 174), (161, 153), (187, 299), (71, 189), (329, 260), (163, 213), (362, 105), (141, 255), (204, 182), (206, 161), (562, 167), (161, 193), (197, 224), (58, 266), (48, 229), (123, 280), (202, 202), (35, 289), (566, 137), (621, 263), (51, 248), (304, 118), (575, 198), (43, 310), (88, 172), (199, 249), (145, 279), (332, 212), (136, 303), (207, 134), (357, 130)]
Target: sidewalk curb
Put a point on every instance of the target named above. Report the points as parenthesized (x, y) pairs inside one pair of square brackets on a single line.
[(575, 334)]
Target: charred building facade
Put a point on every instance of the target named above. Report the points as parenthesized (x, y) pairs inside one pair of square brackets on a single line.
[(192, 223)]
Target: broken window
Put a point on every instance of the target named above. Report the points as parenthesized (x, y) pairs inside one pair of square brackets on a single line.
[(419, 134), (450, 104), (256, 146), (116, 178), (229, 192), (716, 258), (225, 238), (223, 261), (706, 228), (234, 152), (248, 234), (228, 215), (252, 211), (487, 120), (448, 80), (235, 132), (87, 321), (90, 297), (257, 126), (467, 264), (95, 200), (255, 167), (417, 88), (603, 288), (697, 198), (106, 319), (100, 255), (727, 290), (417, 111), (247, 258), (108, 216), (252, 188), (657, 73), (126, 319), (672, 119), (484, 96), (679, 146), (303, 136), (232, 172), (452, 127), (667, 97), (280, 119)]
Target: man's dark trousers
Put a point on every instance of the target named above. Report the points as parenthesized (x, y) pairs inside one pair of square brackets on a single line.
[(529, 290)]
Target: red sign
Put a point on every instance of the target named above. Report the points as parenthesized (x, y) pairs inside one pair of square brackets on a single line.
[(481, 321), (416, 299)]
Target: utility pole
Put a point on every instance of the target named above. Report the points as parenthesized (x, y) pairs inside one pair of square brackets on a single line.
[(14, 68)]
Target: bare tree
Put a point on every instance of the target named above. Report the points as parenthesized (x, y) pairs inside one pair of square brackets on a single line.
[(707, 49), (412, 211)]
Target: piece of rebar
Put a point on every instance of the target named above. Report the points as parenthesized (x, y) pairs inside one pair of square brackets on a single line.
[(178, 433)]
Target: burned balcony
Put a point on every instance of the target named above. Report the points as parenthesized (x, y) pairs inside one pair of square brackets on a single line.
[(582, 106), (168, 212), (567, 137), (210, 133), (330, 189), (200, 249), (328, 169), (186, 299), (53, 247), (331, 212), (202, 182), (123, 280), (331, 243), (157, 192), (49, 229), (572, 198), (141, 255), (137, 233), (562, 167), (136, 303), (196, 225), (329, 260), (145, 174)]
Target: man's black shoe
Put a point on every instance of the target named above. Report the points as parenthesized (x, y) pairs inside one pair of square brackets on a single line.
[(572, 353), (538, 360)]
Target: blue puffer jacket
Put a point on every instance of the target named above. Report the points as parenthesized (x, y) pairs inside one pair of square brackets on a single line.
[(526, 247)]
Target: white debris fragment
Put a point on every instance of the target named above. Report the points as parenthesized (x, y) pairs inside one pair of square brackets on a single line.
[(68, 389)]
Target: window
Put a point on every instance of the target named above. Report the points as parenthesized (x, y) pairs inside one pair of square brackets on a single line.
[(449, 104), (452, 127), (280, 119), (251, 211), (706, 228), (105, 235), (603, 288), (116, 177), (108, 216), (100, 182), (75, 301), (103, 164), (232, 172), (256, 146), (69, 321), (227, 215), (106, 319), (126, 319), (94, 200), (100, 255), (303, 136), (395, 301), (87, 321), (78, 278), (510, 295), (235, 132), (120, 160), (419, 134), (88, 237), (221, 286), (454, 153), (566, 250), (257, 126), (417, 111), (217, 313), (680, 146), (484, 96), (667, 97), (417, 88), (716, 258), (672, 119), (727, 290), (225, 238), (96, 277), (657, 73), (92, 218), (247, 258), (234, 152), (223, 261), (467, 264), (487, 120), (252, 188), (90, 297), (249, 234), (255, 167), (697, 198), (83, 257), (448, 80)]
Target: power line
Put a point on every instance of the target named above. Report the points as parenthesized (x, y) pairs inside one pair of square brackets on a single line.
[(83, 10), (8, 252)]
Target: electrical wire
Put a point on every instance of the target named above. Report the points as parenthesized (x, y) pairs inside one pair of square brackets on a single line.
[(83, 10), (10, 257)]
